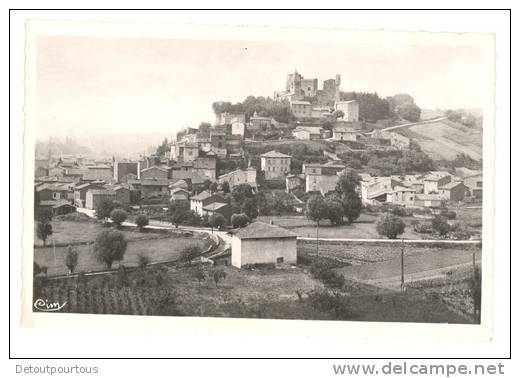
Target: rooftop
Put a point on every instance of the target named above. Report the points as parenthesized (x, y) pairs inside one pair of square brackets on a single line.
[(275, 154), (260, 230), (215, 206), (452, 185)]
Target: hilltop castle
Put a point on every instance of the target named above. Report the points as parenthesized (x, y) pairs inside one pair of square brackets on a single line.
[(298, 88)]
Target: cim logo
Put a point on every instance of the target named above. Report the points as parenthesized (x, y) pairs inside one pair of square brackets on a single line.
[(46, 306)]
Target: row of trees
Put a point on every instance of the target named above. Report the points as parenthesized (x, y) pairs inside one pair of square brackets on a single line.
[(263, 106)]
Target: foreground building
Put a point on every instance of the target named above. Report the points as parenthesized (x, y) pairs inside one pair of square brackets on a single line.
[(261, 243)]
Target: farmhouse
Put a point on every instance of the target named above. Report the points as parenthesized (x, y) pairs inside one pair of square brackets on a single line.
[(261, 243), (321, 177), (179, 195), (47, 192), (217, 208), (58, 207), (474, 185), (257, 123), (429, 200)]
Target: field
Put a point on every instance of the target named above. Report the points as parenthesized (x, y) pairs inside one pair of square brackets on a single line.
[(159, 247), (363, 228), (445, 139), (265, 293), (427, 114)]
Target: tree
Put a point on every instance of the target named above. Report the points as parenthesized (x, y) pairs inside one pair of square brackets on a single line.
[(225, 187), (199, 275), (409, 111), (179, 212), (141, 221), (241, 192), (104, 208), (110, 246), (118, 216), (239, 220), (440, 225), (71, 258), (206, 184), (189, 253), (217, 220), (316, 209), (44, 215), (346, 188), (250, 208), (390, 225), (351, 203), (163, 148), (213, 187), (334, 211), (43, 231), (218, 275)]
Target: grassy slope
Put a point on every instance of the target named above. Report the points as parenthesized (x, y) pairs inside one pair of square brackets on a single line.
[(445, 139)]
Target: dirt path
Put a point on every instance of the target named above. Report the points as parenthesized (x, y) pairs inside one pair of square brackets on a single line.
[(413, 124)]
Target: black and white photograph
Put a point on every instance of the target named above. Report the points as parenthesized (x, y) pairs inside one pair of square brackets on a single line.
[(337, 176)]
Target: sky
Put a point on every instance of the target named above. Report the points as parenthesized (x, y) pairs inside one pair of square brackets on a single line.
[(137, 85)]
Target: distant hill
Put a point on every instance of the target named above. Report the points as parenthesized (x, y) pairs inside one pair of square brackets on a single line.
[(446, 139)]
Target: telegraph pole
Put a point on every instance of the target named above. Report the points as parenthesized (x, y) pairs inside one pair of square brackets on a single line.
[(402, 265)]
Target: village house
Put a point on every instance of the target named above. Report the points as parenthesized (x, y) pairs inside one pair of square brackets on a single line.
[(238, 128), (320, 112), (434, 180), (307, 133), (234, 144), (206, 167), (178, 194), (80, 192), (257, 123), (154, 173), (239, 176), (124, 168), (380, 190), (261, 243), (203, 199), (474, 185), (429, 200), (95, 196), (221, 208), (99, 172), (350, 110), (453, 191), (321, 177), (275, 165), (229, 118), (49, 192), (57, 207), (402, 195), (123, 194), (301, 109), (293, 182), (345, 133)]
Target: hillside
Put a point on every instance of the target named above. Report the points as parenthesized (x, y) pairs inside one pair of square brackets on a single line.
[(446, 139)]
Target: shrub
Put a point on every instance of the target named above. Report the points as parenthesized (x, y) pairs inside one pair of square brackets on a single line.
[(390, 225), (143, 260), (219, 275), (332, 303), (440, 225), (239, 220), (104, 208), (422, 227), (118, 216), (189, 253), (141, 221), (217, 220)]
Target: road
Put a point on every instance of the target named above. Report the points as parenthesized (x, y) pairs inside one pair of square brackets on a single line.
[(414, 124)]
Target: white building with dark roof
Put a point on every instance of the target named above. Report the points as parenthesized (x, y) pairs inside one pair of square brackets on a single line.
[(262, 243), (275, 165)]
